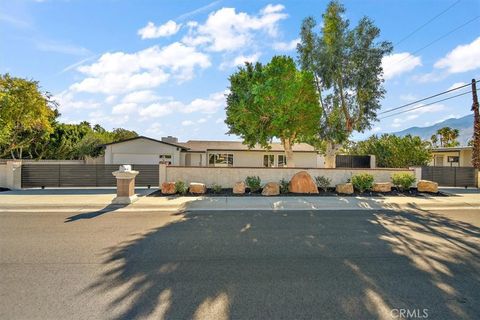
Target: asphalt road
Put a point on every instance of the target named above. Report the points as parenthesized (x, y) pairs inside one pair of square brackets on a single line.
[(240, 265)]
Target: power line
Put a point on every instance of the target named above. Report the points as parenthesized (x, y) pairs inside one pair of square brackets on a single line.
[(426, 105), (438, 39), (427, 98), (426, 23)]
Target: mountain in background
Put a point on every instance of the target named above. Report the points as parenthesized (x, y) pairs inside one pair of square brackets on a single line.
[(464, 124)]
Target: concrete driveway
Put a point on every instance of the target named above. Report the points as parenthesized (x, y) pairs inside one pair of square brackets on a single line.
[(370, 264)]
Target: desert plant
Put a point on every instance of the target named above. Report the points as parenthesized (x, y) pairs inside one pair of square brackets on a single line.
[(216, 188), (181, 187), (254, 183), (284, 183), (323, 182), (403, 181), (362, 182)]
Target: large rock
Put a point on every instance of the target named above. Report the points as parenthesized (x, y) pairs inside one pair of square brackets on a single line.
[(427, 186), (302, 182), (344, 188), (239, 187), (168, 188), (382, 187), (197, 188), (271, 189)]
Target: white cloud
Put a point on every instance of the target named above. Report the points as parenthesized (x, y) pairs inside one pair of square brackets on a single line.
[(124, 108), (227, 30), (414, 114), (286, 46), (121, 72), (429, 77), (461, 59), (150, 31), (219, 120), (156, 129), (214, 102), (399, 63), (456, 85), (67, 101), (240, 60), (376, 129), (142, 96), (156, 110), (58, 47), (202, 120), (187, 123)]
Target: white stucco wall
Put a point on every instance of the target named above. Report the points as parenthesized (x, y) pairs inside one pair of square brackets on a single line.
[(226, 177), (140, 151), (465, 158), (255, 158)]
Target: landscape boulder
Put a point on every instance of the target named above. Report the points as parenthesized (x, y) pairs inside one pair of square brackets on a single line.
[(271, 189), (382, 187), (239, 187), (427, 186), (344, 188), (302, 182), (197, 188), (168, 188)]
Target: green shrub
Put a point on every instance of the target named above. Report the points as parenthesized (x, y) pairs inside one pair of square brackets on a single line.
[(254, 183), (323, 182), (216, 188), (284, 183), (181, 187), (403, 181), (362, 182)]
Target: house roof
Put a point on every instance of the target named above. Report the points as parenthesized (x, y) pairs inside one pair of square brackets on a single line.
[(151, 139), (449, 149), (204, 145)]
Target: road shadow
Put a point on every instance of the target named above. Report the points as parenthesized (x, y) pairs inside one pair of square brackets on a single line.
[(94, 214), (295, 265), (141, 192)]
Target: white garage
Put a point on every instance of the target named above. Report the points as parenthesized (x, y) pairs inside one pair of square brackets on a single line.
[(142, 150)]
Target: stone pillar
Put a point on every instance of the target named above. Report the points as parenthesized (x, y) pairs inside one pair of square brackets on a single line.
[(373, 161), (162, 174), (125, 185), (14, 175)]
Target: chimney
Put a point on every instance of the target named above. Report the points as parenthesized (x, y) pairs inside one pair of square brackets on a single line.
[(170, 139)]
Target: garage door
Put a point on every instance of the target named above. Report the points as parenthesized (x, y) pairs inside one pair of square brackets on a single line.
[(130, 158)]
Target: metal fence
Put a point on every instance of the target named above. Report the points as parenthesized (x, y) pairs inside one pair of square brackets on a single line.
[(82, 175), (451, 176), (352, 161)]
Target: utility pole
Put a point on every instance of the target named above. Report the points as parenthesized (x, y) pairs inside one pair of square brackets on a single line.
[(476, 127)]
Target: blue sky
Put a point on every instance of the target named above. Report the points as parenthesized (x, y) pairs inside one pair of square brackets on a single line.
[(161, 67)]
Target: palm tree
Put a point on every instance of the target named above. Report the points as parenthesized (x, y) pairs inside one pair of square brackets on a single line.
[(434, 139)]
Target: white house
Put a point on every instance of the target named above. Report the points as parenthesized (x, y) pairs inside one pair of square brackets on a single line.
[(144, 150), (452, 157)]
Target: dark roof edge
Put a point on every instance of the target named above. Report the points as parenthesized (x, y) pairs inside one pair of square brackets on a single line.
[(151, 139)]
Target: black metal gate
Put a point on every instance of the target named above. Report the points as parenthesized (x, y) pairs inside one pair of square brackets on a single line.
[(451, 176), (352, 161), (82, 175)]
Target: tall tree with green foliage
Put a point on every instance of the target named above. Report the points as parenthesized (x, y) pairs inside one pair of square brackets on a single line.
[(347, 67), (392, 151), (273, 101), (26, 115), (447, 137)]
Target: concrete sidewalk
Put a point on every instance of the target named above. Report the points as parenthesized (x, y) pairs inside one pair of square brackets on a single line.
[(85, 200)]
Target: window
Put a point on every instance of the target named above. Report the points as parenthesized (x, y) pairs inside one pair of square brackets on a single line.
[(268, 160), (166, 158), (282, 160), (220, 159), (453, 159)]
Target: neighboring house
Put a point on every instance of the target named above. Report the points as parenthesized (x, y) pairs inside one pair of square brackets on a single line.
[(452, 157), (144, 150)]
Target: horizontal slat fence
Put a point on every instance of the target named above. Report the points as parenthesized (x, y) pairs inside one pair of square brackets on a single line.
[(352, 161), (450, 176), (82, 175)]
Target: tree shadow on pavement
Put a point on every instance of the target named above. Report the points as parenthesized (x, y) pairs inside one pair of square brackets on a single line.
[(295, 265), (94, 214)]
